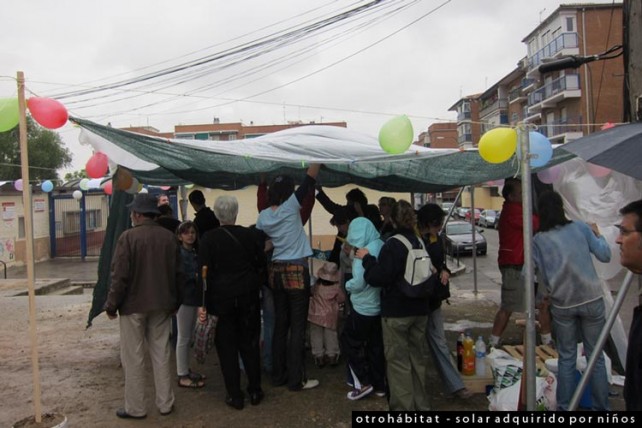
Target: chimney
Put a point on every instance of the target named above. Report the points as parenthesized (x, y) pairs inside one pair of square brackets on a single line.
[(217, 120)]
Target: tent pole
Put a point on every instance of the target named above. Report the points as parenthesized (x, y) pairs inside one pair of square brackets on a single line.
[(601, 340), (472, 223), (529, 292), (26, 201)]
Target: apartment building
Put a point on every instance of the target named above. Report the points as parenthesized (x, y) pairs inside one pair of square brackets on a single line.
[(564, 105)]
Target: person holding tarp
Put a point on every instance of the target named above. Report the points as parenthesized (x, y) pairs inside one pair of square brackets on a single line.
[(562, 257), (630, 242), (404, 318), (289, 277)]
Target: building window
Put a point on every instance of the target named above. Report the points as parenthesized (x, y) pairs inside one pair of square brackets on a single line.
[(494, 192), (21, 227), (569, 25), (71, 225)]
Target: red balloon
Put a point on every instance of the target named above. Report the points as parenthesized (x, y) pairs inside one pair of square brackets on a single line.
[(107, 187), (47, 112), (97, 165)]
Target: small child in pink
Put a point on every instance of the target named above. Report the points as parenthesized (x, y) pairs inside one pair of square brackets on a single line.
[(323, 315)]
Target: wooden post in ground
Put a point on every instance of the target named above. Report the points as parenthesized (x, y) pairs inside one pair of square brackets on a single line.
[(26, 202)]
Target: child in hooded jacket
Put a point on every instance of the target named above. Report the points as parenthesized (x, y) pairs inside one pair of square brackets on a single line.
[(362, 338), (323, 315)]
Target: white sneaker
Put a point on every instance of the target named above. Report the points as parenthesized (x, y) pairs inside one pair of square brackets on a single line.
[(310, 383), (357, 394)]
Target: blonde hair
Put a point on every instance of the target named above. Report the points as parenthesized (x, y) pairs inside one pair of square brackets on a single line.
[(403, 215)]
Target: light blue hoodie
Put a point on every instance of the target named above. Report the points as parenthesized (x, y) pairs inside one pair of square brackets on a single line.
[(365, 299)]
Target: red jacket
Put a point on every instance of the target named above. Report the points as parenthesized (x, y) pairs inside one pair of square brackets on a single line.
[(511, 238)]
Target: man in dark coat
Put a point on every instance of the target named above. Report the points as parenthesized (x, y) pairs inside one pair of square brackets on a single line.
[(205, 218)]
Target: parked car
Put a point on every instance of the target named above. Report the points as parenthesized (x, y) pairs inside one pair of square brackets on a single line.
[(477, 215), (488, 218), (458, 237), (461, 212), (446, 206)]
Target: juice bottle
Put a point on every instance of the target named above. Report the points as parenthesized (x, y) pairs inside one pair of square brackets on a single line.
[(469, 356)]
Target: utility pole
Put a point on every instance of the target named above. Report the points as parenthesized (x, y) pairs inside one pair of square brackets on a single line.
[(632, 29)]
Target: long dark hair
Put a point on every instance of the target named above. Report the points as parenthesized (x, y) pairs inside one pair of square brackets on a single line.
[(280, 189), (551, 211)]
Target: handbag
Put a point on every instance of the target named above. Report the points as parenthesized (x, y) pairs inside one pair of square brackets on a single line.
[(205, 329)]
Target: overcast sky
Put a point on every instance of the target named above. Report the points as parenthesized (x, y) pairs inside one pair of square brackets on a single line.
[(417, 62)]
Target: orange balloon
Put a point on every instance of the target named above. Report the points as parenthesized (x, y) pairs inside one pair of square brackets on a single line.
[(123, 179)]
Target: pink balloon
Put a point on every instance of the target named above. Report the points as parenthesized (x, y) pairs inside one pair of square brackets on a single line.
[(18, 185), (107, 188), (97, 165), (597, 171), (47, 112), (550, 175), (607, 125), (166, 187)]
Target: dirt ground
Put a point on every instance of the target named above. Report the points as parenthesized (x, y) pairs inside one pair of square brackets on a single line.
[(81, 378)]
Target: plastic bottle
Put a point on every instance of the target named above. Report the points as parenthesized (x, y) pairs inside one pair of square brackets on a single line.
[(460, 352), (469, 356), (480, 357)]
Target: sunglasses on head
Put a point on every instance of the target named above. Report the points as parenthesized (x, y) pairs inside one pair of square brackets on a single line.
[(326, 282)]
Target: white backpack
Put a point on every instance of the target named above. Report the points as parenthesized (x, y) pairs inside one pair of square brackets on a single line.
[(416, 282)]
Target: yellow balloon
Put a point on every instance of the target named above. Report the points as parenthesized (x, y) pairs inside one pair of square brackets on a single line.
[(498, 145)]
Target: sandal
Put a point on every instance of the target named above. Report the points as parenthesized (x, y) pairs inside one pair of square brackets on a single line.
[(193, 384), (196, 376)]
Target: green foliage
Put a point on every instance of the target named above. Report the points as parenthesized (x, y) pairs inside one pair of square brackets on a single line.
[(47, 153), (76, 174)]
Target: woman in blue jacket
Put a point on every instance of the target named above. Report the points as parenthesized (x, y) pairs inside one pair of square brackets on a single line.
[(562, 255)]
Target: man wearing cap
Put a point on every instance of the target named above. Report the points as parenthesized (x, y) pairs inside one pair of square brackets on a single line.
[(146, 280), (205, 219), (630, 242)]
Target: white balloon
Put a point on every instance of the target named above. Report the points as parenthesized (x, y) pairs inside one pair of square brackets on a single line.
[(84, 184), (77, 194), (94, 183)]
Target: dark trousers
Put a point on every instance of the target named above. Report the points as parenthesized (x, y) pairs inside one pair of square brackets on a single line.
[(288, 342), (633, 371), (237, 332), (362, 341)]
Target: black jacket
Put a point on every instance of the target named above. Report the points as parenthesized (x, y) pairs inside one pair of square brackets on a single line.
[(234, 266), (386, 270)]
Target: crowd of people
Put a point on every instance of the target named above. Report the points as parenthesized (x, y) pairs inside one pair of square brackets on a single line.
[(259, 285)]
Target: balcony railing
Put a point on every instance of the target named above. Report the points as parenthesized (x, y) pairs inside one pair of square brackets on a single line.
[(562, 126), (563, 41), (492, 106), (464, 115), (569, 82)]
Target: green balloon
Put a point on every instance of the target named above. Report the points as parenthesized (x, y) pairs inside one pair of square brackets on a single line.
[(396, 135), (9, 114)]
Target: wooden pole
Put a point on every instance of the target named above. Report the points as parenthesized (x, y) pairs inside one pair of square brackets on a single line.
[(26, 203)]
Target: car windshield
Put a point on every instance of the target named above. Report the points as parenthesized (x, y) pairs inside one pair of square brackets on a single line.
[(458, 229), (491, 213)]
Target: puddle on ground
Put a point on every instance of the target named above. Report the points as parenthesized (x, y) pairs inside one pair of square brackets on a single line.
[(462, 325)]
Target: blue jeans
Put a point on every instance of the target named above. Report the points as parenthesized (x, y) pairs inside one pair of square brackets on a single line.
[(572, 325), (440, 352)]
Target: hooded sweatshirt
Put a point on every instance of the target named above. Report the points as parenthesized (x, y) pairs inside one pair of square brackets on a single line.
[(365, 299)]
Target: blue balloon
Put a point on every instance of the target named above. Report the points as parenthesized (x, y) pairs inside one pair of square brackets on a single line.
[(46, 186), (541, 150)]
